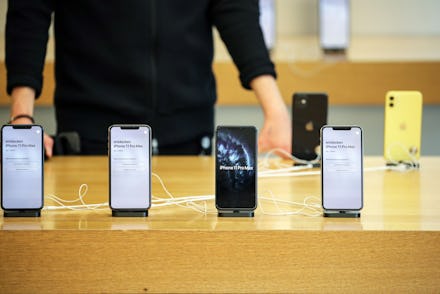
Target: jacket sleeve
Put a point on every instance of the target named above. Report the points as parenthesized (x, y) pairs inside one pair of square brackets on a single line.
[(26, 35), (239, 27)]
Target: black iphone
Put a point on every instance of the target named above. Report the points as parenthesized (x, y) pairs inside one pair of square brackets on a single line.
[(236, 168), (309, 114), (22, 167)]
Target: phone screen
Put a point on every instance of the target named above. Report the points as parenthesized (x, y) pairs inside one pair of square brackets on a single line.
[(130, 167), (22, 167), (236, 168), (341, 168), (334, 23)]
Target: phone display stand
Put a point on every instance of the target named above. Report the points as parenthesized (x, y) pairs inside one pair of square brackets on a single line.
[(314, 165), (129, 213), (236, 213), (22, 213), (408, 165), (334, 51), (342, 213)]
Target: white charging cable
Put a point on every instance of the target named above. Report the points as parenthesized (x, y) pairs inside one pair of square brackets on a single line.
[(278, 151), (65, 204), (412, 164)]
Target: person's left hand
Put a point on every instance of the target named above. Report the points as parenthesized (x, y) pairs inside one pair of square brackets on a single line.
[(277, 130)]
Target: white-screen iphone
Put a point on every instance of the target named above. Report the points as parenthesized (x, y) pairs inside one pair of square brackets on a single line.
[(130, 167), (342, 168), (22, 167)]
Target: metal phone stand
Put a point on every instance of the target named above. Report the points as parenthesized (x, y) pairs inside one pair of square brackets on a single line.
[(415, 165), (314, 165), (236, 213), (342, 213), (22, 213), (129, 213)]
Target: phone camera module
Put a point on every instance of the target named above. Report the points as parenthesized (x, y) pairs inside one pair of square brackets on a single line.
[(301, 102), (391, 98), (391, 104)]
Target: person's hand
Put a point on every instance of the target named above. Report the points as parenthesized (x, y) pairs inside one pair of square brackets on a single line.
[(48, 145), (277, 128), (276, 134)]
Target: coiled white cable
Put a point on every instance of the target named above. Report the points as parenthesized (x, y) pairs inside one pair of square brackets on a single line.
[(82, 191)]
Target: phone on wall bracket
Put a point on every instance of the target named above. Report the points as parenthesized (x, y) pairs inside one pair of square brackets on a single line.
[(403, 127), (236, 171), (342, 171), (267, 22), (309, 114), (334, 25), (22, 170), (129, 169)]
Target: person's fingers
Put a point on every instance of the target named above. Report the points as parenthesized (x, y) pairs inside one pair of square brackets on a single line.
[(48, 145), (262, 144), (268, 141)]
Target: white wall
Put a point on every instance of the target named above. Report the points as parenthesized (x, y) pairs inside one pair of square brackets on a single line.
[(3, 6), (368, 17), (396, 17)]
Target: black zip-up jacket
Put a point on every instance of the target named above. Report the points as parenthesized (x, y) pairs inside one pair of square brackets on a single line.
[(133, 61)]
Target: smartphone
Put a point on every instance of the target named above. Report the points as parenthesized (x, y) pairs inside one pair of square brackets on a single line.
[(236, 168), (130, 167), (342, 168), (334, 24), (267, 22), (309, 114), (22, 167), (403, 126)]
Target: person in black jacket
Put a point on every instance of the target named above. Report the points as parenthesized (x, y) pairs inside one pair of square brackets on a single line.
[(139, 61)]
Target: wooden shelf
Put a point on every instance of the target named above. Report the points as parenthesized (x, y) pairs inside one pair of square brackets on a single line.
[(345, 82), (373, 65)]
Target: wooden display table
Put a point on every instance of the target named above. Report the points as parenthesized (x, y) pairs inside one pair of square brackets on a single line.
[(394, 246)]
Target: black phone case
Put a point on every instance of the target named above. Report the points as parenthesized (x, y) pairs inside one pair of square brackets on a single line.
[(309, 114)]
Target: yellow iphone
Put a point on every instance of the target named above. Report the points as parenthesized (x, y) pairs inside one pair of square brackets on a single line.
[(403, 126)]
